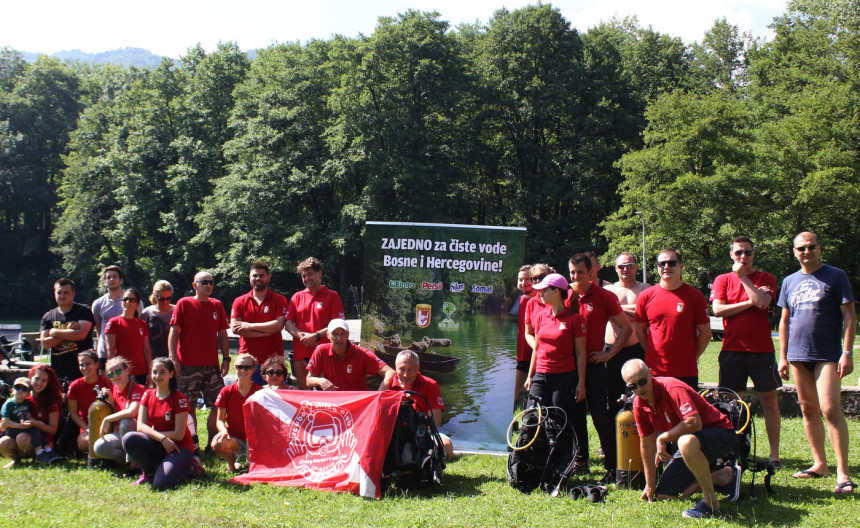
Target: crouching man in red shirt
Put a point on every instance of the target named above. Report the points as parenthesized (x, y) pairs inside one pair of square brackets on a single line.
[(667, 411)]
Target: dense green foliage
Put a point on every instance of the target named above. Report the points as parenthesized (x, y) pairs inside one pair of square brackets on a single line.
[(218, 159)]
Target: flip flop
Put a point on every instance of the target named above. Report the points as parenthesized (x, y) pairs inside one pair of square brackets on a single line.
[(808, 474), (844, 488)]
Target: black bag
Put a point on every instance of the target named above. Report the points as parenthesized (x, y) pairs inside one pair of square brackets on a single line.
[(415, 457), (544, 451)]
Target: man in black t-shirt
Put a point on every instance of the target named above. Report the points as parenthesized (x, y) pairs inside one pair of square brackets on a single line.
[(67, 330)]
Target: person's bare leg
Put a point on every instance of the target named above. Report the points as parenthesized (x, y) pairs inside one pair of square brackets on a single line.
[(830, 395), (697, 463), (9, 449), (772, 420), (807, 395)]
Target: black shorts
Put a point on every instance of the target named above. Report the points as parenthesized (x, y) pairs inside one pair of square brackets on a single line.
[(523, 366), (735, 367), (716, 443)]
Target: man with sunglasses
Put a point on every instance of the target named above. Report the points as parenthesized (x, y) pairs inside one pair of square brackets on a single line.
[(668, 412), (672, 320), (816, 338), (742, 298), (198, 328), (258, 318)]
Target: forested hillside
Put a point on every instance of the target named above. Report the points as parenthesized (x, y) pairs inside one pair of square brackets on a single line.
[(219, 159)]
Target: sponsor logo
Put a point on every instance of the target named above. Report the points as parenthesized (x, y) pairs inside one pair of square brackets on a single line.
[(432, 286), (481, 289), (422, 315), (401, 284), (457, 287), (321, 433), (680, 307)]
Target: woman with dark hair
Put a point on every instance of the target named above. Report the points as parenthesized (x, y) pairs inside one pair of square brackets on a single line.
[(157, 317), (128, 336), (45, 400), (82, 393), (557, 371), (162, 444), (275, 373)]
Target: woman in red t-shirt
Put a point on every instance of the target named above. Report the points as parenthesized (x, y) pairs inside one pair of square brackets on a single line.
[(557, 369), (124, 397), (82, 393), (162, 445), (128, 336), (231, 441)]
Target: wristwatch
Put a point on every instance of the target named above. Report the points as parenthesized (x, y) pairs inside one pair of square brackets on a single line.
[(849, 353)]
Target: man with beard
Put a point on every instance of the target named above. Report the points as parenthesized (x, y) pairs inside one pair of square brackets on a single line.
[(258, 318)]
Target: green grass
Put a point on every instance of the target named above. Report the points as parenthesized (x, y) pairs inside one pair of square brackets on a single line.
[(474, 493)]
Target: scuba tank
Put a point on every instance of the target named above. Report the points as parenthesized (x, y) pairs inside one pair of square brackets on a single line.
[(98, 411), (630, 472)]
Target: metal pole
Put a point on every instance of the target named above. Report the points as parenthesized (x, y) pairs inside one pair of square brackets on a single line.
[(644, 265)]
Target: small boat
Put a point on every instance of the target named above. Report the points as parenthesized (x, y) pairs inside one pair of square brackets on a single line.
[(429, 362)]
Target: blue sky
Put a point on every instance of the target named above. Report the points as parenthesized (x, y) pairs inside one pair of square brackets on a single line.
[(170, 27)]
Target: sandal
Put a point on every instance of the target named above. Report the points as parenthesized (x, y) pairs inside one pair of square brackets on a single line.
[(844, 488)]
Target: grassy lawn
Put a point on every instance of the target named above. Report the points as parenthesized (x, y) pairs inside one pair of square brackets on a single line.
[(474, 493)]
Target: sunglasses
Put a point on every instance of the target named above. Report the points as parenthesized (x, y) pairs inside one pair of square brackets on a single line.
[(21, 388), (803, 249), (637, 384), (206, 282), (129, 300), (245, 367), (272, 372), (671, 263), (625, 266), (114, 374), (165, 299), (747, 252), (538, 278)]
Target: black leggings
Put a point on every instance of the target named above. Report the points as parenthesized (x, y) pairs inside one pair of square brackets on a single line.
[(558, 390), (166, 470)]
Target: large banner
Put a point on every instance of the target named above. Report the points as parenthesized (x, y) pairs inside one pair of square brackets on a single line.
[(332, 441), (446, 291)]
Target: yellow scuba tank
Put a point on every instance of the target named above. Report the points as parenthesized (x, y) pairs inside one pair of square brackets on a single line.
[(630, 472), (98, 411)]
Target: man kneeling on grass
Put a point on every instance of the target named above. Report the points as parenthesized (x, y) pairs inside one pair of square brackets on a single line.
[(669, 411)]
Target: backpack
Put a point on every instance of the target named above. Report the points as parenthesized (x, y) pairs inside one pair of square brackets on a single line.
[(415, 457), (738, 412), (544, 452)]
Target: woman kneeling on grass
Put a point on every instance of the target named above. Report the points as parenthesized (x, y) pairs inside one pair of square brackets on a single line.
[(230, 442), (82, 393), (162, 445), (124, 397)]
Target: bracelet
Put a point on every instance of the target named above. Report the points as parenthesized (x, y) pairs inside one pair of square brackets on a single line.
[(227, 359), (318, 335), (163, 438)]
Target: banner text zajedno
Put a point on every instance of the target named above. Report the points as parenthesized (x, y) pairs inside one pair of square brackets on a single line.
[(452, 245)]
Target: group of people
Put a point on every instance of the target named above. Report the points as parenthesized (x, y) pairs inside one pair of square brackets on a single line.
[(174, 351), (584, 342)]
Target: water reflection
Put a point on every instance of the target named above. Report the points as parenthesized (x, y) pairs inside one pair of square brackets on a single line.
[(478, 395)]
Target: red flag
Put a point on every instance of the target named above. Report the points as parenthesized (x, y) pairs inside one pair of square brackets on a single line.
[(332, 441)]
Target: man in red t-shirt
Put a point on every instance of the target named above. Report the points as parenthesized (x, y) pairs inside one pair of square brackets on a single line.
[(342, 366), (672, 320), (667, 411), (598, 307), (258, 318), (408, 377), (308, 315), (742, 298), (198, 328)]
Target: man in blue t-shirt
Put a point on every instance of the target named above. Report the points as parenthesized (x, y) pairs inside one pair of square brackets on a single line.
[(816, 337)]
